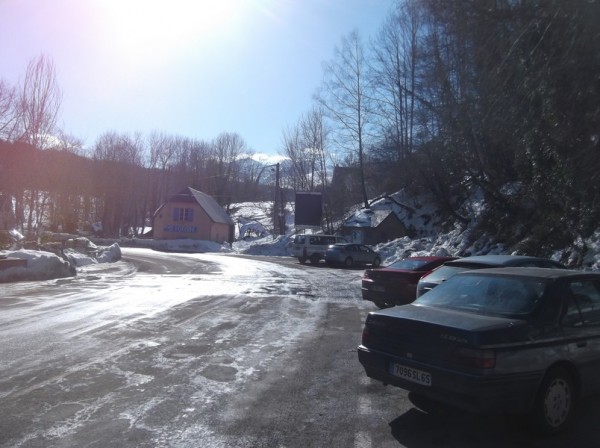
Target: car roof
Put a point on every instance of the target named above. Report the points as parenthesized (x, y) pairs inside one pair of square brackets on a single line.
[(538, 273), (493, 260), (344, 245), (428, 258)]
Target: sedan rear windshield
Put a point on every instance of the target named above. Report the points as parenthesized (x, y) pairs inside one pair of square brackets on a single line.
[(444, 272), (409, 265), (486, 294)]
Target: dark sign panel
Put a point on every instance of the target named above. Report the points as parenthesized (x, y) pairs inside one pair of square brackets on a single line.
[(309, 209)]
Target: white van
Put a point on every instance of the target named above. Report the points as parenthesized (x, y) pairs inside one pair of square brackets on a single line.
[(313, 247)]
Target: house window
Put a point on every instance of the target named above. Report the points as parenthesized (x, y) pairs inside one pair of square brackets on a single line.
[(183, 214)]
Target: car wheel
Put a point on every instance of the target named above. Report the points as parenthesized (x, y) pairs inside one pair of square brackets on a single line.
[(348, 262), (302, 260), (555, 402), (376, 262), (314, 258)]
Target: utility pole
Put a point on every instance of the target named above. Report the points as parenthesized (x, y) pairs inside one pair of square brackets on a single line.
[(278, 205), (276, 220), (281, 211)]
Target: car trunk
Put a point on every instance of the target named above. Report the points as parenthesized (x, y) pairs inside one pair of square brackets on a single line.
[(435, 336), (389, 275)]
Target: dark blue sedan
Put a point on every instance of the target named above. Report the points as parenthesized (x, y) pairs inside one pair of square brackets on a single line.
[(510, 340)]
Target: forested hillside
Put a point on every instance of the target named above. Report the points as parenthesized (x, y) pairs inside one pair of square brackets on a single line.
[(453, 98), (506, 99), (63, 191)]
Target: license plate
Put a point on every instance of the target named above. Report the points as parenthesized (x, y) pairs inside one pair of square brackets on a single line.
[(410, 374), (378, 288)]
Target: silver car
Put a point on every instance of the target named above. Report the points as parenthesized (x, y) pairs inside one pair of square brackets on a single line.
[(350, 255)]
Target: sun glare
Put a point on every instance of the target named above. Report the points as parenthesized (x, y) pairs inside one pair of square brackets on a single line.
[(143, 27)]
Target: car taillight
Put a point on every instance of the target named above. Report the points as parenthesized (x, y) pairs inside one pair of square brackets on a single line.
[(366, 274), (365, 335), (475, 358)]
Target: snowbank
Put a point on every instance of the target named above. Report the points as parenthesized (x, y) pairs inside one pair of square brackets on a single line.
[(180, 245), (40, 266), (108, 254), (266, 246), (583, 254), (46, 264)]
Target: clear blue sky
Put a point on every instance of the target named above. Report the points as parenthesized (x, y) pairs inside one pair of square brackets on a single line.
[(192, 68)]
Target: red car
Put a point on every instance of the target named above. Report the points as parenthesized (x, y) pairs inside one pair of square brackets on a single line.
[(396, 284)]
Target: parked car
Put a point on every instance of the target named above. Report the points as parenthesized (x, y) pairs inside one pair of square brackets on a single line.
[(451, 268), (396, 284), (313, 247), (508, 340), (351, 255)]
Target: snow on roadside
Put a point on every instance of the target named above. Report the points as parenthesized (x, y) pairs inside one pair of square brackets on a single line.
[(582, 254), (46, 265), (40, 266), (266, 246), (179, 245), (110, 254)]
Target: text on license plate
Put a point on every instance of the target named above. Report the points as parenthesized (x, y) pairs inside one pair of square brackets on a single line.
[(410, 374)]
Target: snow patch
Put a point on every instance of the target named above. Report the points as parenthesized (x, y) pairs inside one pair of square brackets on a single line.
[(57, 259), (40, 266)]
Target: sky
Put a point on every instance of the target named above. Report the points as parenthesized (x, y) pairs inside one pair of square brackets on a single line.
[(190, 68)]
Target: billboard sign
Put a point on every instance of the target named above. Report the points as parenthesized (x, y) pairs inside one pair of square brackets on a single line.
[(309, 209)]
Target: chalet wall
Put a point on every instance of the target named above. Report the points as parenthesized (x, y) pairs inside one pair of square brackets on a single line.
[(194, 225)]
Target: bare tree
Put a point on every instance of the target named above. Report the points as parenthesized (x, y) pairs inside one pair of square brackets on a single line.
[(119, 173), (344, 96), (314, 136), (227, 149), (161, 156), (304, 145), (198, 157), (28, 114), (8, 111), (67, 142), (250, 172), (393, 75), (39, 103), (67, 177), (293, 149)]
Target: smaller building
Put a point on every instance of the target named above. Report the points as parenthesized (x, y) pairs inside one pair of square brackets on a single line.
[(373, 227), (193, 215)]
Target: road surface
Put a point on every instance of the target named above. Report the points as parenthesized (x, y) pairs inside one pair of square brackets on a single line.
[(213, 350)]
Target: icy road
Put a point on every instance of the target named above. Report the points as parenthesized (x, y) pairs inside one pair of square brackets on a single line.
[(207, 350)]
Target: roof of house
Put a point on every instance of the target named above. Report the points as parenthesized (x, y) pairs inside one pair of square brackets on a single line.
[(212, 208), (368, 218)]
